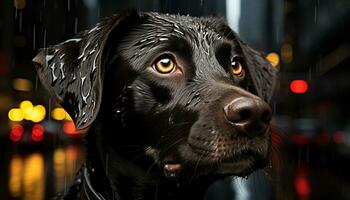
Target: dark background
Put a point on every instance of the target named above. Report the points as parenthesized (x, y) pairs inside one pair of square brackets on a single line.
[(310, 39)]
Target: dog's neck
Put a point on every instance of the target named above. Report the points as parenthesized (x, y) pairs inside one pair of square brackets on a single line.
[(114, 178)]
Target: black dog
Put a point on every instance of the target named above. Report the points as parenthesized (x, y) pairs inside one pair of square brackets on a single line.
[(172, 103)]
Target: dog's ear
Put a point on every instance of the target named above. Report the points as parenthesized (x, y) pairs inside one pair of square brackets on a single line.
[(261, 72), (73, 70)]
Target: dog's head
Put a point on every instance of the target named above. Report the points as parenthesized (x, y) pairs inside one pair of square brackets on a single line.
[(184, 92)]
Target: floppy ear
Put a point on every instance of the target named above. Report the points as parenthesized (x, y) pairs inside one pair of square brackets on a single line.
[(262, 74), (73, 70)]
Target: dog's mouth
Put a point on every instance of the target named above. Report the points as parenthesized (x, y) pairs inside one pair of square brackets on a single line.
[(203, 163)]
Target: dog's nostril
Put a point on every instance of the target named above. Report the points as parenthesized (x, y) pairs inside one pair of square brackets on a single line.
[(248, 115), (244, 114)]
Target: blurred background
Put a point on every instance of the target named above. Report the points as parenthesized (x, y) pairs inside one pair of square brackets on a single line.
[(307, 40)]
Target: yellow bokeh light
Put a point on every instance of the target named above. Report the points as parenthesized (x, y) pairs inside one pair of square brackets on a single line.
[(19, 4), (15, 115), (68, 118), (287, 53), (273, 58), (15, 179), (22, 84), (58, 114), (38, 113), (34, 177), (27, 109)]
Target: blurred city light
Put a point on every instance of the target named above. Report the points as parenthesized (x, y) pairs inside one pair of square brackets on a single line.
[(299, 86), (68, 118), (69, 128), (38, 113), (16, 173), (19, 4), (16, 132), (22, 84), (33, 177), (287, 53), (15, 115), (27, 111), (58, 114), (273, 58), (302, 184), (339, 137), (37, 132), (26, 108), (59, 165)]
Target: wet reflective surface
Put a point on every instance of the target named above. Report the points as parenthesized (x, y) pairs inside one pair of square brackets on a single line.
[(303, 172), (38, 173)]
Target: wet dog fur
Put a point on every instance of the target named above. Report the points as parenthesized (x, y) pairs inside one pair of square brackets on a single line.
[(156, 135)]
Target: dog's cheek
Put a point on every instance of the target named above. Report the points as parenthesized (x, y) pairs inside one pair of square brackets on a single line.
[(143, 99)]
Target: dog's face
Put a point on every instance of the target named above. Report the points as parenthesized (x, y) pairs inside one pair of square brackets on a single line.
[(183, 92)]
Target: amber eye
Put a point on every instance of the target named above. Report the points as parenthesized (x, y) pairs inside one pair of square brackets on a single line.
[(236, 67), (164, 64)]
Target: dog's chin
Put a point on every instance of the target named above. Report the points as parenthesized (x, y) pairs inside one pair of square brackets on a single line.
[(194, 165)]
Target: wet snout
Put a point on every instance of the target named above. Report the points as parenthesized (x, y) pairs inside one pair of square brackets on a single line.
[(249, 116)]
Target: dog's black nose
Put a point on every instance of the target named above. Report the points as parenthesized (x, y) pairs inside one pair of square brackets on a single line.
[(248, 115)]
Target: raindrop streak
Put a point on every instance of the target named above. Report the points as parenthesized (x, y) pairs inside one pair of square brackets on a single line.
[(36, 82), (277, 35), (65, 184), (34, 36), (16, 13), (44, 38), (20, 21), (76, 25), (107, 158), (307, 154), (315, 16), (310, 74), (98, 12), (68, 5)]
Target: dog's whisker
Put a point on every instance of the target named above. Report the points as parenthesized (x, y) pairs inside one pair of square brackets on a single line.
[(195, 168), (173, 144)]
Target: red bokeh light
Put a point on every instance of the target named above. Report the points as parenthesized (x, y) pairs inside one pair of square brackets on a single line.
[(16, 133), (339, 137), (302, 187), (299, 86), (37, 132), (300, 139), (322, 139), (302, 183), (69, 128)]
